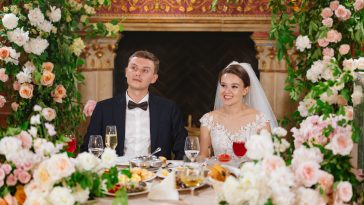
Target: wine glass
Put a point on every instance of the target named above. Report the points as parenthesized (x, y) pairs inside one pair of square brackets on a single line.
[(96, 145), (239, 148), (192, 147), (192, 176), (111, 138)]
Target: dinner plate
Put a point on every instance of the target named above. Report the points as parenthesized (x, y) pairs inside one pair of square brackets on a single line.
[(150, 178), (146, 190)]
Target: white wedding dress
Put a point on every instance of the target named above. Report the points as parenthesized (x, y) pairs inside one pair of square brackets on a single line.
[(222, 139)]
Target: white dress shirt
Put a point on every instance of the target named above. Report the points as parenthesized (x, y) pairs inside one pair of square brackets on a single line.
[(137, 130)]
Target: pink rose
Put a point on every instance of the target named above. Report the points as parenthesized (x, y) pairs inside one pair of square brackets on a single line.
[(26, 139), (334, 5), (340, 12), (89, 108), (14, 106), (2, 101), (358, 5), (16, 85), (327, 22), (344, 191), (327, 59), (24, 177), (333, 36), (349, 112), (7, 168), (347, 15), (308, 173), (49, 114), (4, 52), (326, 12), (341, 143), (348, 64), (272, 163), (344, 49), (3, 76), (47, 78), (323, 42), (27, 166), (328, 52), (11, 180), (326, 181), (2, 174)]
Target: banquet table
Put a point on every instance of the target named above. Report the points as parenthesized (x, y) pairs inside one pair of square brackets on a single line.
[(203, 196)]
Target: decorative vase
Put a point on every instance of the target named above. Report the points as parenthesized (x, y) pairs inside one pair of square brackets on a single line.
[(359, 118)]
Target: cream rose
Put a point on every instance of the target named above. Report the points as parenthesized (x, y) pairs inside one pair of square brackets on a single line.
[(47, 78), (59, 93), (26, 90), (4, 52), (48, 66), (49, 114)]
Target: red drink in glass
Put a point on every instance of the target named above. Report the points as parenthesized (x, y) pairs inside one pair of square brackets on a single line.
[(239, 148)]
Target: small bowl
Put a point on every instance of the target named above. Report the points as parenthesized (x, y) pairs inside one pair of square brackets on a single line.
[(146, 162)]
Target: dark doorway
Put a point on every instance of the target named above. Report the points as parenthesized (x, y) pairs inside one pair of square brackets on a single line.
[(189, 64)]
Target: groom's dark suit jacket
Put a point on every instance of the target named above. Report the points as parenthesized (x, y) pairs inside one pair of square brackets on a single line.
[(166, 124)]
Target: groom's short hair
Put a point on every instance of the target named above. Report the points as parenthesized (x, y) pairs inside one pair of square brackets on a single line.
[(147, 55)]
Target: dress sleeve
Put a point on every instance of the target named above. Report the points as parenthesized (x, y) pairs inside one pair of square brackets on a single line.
[(207, 121)]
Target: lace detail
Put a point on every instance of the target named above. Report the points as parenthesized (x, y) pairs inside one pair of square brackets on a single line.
[(222, 138)]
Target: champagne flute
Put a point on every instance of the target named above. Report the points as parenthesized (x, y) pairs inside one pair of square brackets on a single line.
[(96, 145), (111, 138), (192, 147)]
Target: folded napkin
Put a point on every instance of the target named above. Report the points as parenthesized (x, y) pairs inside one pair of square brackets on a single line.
[(166, 190)]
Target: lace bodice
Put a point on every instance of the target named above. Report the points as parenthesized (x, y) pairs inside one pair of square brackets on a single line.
[(221, 138)]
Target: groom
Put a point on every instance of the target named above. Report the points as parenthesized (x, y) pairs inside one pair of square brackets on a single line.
[(144, 121)]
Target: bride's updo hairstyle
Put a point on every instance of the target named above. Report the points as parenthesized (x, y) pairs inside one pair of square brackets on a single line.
[(238, 71)]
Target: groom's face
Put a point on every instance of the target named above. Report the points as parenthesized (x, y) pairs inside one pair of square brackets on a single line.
[(140, 73), (232, 89)]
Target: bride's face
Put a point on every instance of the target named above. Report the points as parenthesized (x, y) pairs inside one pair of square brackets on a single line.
[(232, 89)]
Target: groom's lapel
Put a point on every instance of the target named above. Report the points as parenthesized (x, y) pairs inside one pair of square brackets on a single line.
[(153, 115), (119, 119)]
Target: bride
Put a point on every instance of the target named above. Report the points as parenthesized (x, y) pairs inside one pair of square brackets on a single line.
[(241, 110)]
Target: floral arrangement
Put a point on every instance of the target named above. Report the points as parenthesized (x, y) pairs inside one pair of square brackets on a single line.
[(322, 44), (41, 43), (40, 47), (268, 179)]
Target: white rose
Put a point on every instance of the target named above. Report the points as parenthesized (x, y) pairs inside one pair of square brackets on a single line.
[(24, 76), (108, 158), (35, 120), (50, 128), (33, 131), (18, 36), (89, 9), (9, 146), (36, 45), (37, 108), (54, 14), (302, 43), (60, 166), (77, 46), (233, 191), (29, 66), (35, 198), (45, 26), (259, 146), (86, 161), (81, 195), (35, 17), (10, 21), (61, 196), (359, 63), (341, 144), (307, 196), (279, 131)]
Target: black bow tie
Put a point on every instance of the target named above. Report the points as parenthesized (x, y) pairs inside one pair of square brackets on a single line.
[(143, 105)]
